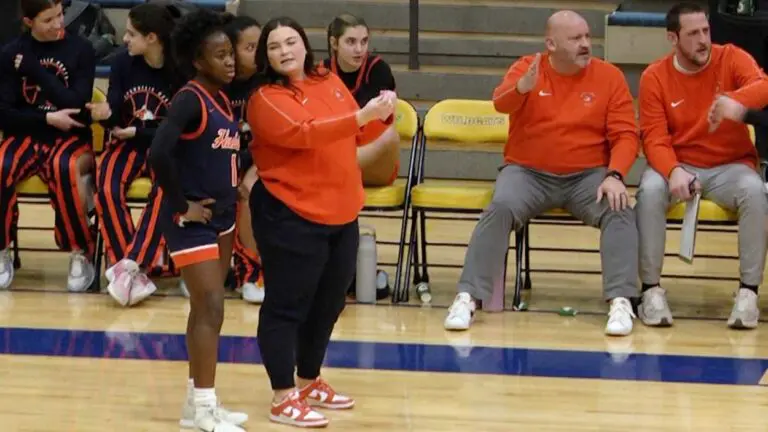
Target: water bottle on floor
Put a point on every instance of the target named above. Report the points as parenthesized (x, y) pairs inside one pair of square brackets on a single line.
[(365, 280)]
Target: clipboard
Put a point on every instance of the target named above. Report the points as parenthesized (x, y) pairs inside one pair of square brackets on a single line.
[(689, 228)]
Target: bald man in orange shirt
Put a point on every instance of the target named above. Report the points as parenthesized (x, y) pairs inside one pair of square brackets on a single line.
[(572, 139), (688, 155)]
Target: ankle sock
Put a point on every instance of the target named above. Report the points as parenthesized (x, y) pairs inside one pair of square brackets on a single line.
[(646, 287), (190, 388), (205, 397), (752, 288)]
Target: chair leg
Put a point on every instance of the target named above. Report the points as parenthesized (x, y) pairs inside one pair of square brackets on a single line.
[(424, 265), (527, 246), (411, 261), (15, 237), (400, 255), (98, 255), (519, 255)]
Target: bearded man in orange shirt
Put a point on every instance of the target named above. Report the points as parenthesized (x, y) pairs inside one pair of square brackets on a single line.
[(572, 140), (687, 154)]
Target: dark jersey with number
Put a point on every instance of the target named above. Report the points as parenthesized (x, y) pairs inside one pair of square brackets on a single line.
[(207, 157)]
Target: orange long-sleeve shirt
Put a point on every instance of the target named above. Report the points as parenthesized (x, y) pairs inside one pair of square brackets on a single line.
[(305, 147), (567, 124), (674, 107)]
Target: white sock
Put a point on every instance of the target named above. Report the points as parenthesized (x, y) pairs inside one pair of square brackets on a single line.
[(205, 397), (190, 388)]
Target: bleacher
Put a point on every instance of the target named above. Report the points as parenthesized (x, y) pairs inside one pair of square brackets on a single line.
[(631, 38)]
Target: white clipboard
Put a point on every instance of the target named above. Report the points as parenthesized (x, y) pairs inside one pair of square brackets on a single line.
[(689, 228)]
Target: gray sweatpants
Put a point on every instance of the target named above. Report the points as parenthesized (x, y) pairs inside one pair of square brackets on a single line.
[(734, 186), (521, 194)]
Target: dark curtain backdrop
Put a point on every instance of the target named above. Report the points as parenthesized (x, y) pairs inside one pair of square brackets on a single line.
[(10, 23)]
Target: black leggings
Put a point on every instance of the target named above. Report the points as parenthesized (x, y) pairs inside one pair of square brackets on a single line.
[(307, 270)]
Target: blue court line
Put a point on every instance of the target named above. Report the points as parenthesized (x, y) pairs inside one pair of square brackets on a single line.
[(400, 357)]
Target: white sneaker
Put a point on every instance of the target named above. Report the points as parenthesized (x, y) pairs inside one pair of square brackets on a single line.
[(461, 314), (253, 293), (81, 273), (121, 277), (619, 318), (654, 309), (142, 288), (745, 313), (6, 269), (188, 416), (213, 420)]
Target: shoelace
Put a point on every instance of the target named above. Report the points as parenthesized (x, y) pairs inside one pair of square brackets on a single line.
[(621, 307)]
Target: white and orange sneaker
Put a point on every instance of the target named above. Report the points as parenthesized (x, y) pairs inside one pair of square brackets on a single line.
[(295, 411), (320, 394)]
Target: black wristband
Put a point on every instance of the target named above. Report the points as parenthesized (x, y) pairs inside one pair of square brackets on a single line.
[(615, 174)]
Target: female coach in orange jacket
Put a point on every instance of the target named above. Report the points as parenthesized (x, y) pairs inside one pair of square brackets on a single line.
[(306, 128)]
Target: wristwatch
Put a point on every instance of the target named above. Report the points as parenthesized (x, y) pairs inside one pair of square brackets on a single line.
[(616, 175)]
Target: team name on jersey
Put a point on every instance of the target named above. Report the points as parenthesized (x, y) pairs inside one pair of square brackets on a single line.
[(226, 141)]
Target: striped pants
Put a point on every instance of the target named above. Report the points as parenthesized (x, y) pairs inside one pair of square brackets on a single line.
[(119, 166), (56, 164)]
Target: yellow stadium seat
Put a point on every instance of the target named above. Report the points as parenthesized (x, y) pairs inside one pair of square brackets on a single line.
[(708, 212), (32, 186), (96, 128), (459, 121), (466, 122), (139, 189), (436, 195)]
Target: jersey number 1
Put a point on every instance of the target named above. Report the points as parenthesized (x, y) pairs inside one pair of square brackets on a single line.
[(234, 170)]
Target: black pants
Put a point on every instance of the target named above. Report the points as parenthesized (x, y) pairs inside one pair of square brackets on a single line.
[(307, 270)]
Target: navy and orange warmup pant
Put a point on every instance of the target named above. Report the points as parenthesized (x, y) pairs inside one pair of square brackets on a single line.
[(247, 263), (247, 266), (56, 164), (119, 166)]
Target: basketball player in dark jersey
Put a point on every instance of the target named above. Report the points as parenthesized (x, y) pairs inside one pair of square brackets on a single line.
[(244, 33), (141, 84), (194, 158), (366, 76), (46, 80)]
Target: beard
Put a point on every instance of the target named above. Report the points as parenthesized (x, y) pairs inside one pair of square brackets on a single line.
[(696, 58)]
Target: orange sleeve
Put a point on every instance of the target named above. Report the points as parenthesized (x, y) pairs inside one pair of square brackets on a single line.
[(283, 121), (657, 142), (506, 98), (752, 82), (371, 132), (621, 126)]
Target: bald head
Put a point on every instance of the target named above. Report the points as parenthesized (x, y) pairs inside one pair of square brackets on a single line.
[(562, 20), (568, 40)]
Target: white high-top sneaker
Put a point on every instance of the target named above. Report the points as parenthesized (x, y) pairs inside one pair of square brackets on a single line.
[(213, 420), (6, 269), (81, 273), (188, 418)]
